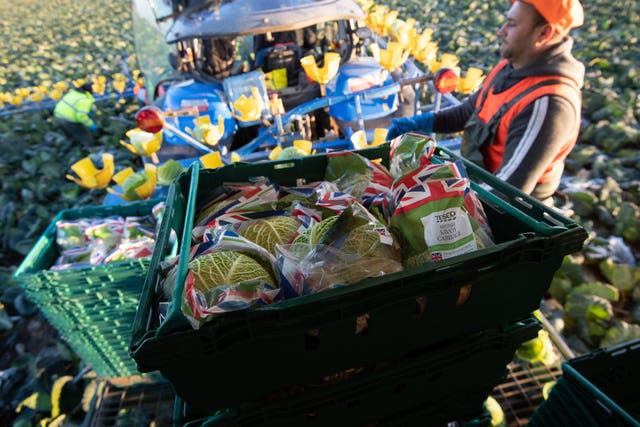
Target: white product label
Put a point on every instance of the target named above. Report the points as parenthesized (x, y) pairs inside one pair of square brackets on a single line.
[(448, 233)]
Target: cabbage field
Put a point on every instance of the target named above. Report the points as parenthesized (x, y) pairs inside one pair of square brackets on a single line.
[(47, 45)]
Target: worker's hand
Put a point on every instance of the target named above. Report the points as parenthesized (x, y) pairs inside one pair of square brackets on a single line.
[(421, 123), (93, 127)]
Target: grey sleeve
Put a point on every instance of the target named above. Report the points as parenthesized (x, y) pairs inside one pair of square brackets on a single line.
[(454, 118), (534, 139)]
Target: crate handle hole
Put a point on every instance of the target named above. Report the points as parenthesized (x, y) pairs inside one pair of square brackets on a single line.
[(287, 165), (420, 307), (552, 220), (463, 294), (362, 324), (399, 388), (523, 202), (312, 339)]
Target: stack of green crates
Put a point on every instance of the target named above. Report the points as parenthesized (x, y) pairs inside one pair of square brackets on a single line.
[(92, 307), (432, 385), (247, 356), (598, 389)]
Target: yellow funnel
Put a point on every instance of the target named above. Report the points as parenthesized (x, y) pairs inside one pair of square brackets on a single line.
[(379, 136), (389, 18), (275, 152), (143, 143), (471, 81), (304, 145), (235, 157), (448, 60), (300, 148), (393, 56), (248, 109), (359, 138), (425, 52), (141, 192), (376, 18), (326, 72), (90, 176), (205, 131), (211, 160), (404, 32)]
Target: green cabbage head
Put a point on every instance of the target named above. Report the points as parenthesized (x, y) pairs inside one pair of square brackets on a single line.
[(168, 171), (227, 268)]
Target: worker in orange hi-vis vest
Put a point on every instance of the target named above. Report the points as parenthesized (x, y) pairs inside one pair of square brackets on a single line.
[(525, 118)]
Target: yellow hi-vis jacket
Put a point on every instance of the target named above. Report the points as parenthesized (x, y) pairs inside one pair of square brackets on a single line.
[(75, 107)]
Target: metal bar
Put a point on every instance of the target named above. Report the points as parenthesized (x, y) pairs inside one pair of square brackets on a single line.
[(327, 101), (359, 113), (563, 348), (187, 138), (521, 393)]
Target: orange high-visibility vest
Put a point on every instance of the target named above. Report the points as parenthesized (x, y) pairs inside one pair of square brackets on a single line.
[(508, 104)]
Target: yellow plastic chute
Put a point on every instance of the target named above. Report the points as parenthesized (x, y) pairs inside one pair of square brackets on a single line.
[(393, 56), (301, 147), (275, 152), (448, 60), (376, 18), (206, 132), (359, 138), (471, 81), (423, 48), (404, 32), (143, 143), (235, 157), (248, 108), (211, 160), (141, 192), (91, 177), (426, 54), (379, 136), (322, 74)]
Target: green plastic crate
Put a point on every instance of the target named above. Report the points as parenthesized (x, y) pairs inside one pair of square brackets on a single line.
[(92, 307), (315, 335), (440, 383), (598, 389)]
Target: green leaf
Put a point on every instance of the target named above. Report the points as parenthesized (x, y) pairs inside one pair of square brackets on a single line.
[(597, 312), (622, 276), (603, 290)]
